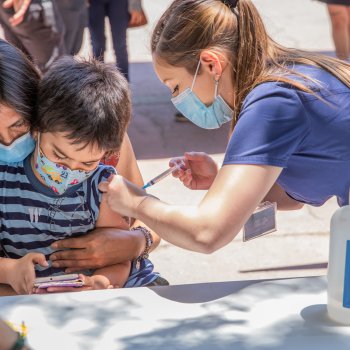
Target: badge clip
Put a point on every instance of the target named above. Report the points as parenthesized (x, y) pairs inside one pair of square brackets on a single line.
[(261, 222)]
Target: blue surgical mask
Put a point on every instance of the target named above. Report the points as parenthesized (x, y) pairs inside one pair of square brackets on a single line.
[(212, 117), (18, 150), (57, 176)]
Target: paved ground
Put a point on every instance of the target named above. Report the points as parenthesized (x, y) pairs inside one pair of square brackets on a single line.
[(300, 246)]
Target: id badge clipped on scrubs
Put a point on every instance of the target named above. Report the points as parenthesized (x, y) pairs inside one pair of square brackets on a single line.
[(261, 222)]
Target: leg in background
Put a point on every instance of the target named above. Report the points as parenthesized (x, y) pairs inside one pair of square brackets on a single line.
[(119, 18), (340, 28), (97, 14), (74, 16)]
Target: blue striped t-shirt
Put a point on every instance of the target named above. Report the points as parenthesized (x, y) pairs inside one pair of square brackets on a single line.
[(32, 216)]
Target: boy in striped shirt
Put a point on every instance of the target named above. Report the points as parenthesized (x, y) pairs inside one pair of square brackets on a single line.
[(83, 112)]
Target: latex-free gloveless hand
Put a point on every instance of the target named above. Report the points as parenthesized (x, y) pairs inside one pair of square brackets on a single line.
[(22, 273), (122, 196), (198, 172)]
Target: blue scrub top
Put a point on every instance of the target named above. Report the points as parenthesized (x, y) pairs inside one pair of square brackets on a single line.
[(309, 138)]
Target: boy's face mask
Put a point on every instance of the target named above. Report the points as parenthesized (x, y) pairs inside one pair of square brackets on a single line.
[(212, 117), (56, 176), (18, 150)]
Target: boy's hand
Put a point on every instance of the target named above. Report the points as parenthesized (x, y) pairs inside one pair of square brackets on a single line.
[(22, 275)]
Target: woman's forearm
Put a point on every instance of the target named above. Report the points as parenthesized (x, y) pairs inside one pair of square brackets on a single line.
[(232, 198), (185, 226)]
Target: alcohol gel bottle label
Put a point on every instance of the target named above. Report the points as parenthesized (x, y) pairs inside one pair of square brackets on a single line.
[(346, 295)]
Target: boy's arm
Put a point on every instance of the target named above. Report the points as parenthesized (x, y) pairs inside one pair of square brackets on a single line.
[(114, 276), (128, 168)]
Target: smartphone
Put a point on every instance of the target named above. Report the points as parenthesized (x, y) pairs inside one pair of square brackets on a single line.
[(71, 280)]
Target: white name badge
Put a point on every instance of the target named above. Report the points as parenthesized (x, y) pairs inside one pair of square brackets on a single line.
[(261, 222)]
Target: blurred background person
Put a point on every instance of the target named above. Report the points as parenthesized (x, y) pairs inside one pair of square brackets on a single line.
[(339, 12), (74, 15), (121, 14), (35, 27), (44, 29)]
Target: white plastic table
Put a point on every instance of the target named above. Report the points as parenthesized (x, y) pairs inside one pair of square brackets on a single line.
[(270, 314)]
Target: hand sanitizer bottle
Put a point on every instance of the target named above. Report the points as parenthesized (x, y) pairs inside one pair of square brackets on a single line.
[(339, 267)]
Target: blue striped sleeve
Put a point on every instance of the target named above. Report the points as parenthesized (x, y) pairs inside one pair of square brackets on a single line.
[(93, 194)]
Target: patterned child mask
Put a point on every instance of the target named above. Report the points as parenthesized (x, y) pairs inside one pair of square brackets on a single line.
[(56, 176)]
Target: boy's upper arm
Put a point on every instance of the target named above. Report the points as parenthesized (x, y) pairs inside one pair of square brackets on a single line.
[(128, 168), (109, 218)]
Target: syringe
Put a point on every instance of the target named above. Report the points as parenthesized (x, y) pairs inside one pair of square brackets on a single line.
[(162, 175)]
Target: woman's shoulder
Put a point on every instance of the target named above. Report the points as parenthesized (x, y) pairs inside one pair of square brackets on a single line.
[(287, 86), (273, 104), (271, 93)]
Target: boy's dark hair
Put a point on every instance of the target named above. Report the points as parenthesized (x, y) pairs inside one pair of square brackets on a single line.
[(86, 99), (19, 81)]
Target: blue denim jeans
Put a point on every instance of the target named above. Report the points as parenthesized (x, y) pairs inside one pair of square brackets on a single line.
[(118, 15)]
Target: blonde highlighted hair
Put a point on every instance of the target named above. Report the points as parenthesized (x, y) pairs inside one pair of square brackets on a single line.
[(189, 26)]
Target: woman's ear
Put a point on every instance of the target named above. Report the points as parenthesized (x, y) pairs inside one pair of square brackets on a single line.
[(212, 63)]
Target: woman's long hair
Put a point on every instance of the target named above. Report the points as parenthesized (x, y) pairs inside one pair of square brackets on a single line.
[(19, 82), (189, 26)]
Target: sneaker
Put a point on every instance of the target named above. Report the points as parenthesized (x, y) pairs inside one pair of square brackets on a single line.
[(180, 118), (159, 281)]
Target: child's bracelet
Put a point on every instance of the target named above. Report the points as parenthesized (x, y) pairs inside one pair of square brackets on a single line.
[(149, 242)]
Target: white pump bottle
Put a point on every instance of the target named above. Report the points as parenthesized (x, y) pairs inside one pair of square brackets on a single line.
[(339, 267)]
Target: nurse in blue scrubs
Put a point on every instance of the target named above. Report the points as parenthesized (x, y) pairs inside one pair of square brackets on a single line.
[(290, 123)]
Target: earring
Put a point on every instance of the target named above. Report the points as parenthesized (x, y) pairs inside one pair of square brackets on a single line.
[(216, 85)]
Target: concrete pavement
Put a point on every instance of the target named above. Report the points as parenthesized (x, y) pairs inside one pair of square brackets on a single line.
[(300, 246)]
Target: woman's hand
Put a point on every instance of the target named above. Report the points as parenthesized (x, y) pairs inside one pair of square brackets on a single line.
[(21, 275), (102, 247), (198, 172), (135, 18), (122, 196)]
